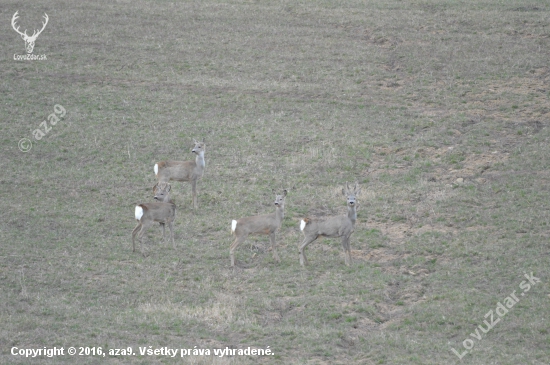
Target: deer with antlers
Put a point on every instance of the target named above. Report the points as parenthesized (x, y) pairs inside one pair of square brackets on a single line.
[(190, 171), (162, 211), (29, 41), (267, 224), (333, 227)]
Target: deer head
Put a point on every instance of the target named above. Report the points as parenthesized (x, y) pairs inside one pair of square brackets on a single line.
[(161, 191), (351, 194), (29, 41), (199, 147), (280, 199)]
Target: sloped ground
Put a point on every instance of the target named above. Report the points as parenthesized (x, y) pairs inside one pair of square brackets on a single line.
[(439, 110)]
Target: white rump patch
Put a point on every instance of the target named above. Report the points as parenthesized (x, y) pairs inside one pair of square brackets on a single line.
[(156, 168), (139, 212), (233, 225), (302, 225)]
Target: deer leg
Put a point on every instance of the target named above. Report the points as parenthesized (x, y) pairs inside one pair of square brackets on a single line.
[(134, 232), (171, 226), (144, 226), (234, 246), (273, 247), (347, 250), (307, 240), (162, 225), (194, 191)]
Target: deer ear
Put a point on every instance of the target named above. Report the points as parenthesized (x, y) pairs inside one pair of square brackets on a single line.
[(168, 187), (343, 192), (155, 187), (284, 192)]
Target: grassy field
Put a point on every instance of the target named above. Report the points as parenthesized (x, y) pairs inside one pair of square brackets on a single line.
[(439, 109)]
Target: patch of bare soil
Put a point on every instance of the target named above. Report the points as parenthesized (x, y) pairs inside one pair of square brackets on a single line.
[(377, 255), (471, 168), (387, 312), (493, 99)]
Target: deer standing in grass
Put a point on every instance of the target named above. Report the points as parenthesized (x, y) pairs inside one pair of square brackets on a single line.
[(333, 227), (191, 171), (162, 211), (267, 224)]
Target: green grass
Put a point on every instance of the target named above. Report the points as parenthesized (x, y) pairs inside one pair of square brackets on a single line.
[(403, 97)]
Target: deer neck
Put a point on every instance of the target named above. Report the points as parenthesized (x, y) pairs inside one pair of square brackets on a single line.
[(199, 160), (352, 214), (279, 214), (165, 200)]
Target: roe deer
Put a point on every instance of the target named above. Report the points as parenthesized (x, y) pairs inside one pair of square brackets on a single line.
[(260, 224), (191, 171), (339, 226), (163, 211)]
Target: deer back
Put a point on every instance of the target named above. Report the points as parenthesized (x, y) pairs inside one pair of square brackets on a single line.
[(259, 224), (158, 211), (331, 227), (177, 170)]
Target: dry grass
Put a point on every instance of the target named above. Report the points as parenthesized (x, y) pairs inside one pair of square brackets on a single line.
[(439, 110)]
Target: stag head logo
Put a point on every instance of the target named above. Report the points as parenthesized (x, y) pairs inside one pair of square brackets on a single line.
[(29, 41)]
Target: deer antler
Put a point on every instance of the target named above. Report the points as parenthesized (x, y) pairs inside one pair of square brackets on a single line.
[(24, 34), (13, 21), (35, 35)]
